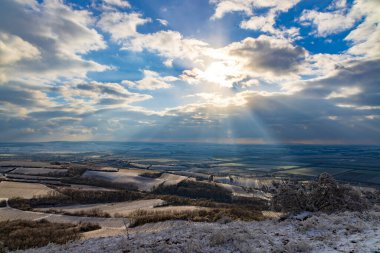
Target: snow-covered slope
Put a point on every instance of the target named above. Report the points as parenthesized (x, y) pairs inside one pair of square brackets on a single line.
[(344, 232)]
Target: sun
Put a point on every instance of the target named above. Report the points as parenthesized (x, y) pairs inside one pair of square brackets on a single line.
[(223, 73)]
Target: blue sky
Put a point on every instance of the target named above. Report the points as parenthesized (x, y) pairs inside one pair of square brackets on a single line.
[(224, 71)]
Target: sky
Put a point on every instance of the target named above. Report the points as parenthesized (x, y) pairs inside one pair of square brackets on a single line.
[(219, 71)]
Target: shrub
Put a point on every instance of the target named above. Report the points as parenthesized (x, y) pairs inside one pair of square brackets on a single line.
[(151, 174), (3, 203), (325, 195)]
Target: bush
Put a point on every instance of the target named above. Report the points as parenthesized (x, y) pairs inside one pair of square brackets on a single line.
[(22, 234), (3, 203), (325, 195)]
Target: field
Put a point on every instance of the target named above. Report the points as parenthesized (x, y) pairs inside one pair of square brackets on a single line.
[(22, 190), (134, 177), (38, 171), (114, 209), (132, 196)]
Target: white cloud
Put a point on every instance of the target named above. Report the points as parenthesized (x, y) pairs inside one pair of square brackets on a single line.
[(328, 23), (163, 22), (152, 81), (117, 3), (344, 92), (366, 37), (120, 25), (341, 17), (168, 63), (56, 33), (14, 49), (225, 6), (263, 22), (169, 44)]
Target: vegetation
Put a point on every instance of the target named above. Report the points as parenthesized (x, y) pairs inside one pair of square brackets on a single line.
[(21, 234), (94, 212), (141, 217), (3, 203), (99, 183), (152, 174), (67, 196), (325, 195), (196, 190)]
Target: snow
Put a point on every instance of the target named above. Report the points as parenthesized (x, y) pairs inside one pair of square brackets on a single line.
[(343, 232), (133, 177)]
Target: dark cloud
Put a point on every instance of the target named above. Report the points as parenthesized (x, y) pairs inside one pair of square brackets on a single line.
[(269, 55), (363, 76), (21, 96)]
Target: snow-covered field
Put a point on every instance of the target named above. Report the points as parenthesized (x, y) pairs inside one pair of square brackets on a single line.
[(133, 177), (344, 232)]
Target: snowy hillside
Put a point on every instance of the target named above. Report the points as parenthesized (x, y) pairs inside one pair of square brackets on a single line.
[(344, 232)]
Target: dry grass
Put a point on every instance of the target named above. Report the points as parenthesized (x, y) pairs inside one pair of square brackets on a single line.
[(26, 190), (141, 217), (21, 234), (69, 196), (94, 212)]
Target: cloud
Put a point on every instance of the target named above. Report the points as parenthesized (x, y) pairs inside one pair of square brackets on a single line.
[(223, 7), (168, 63), (121, 25), (117, 3), (328, 23), (365, 37), (355, 84), (101, 95), (266, 54), (52, 47), (169, 44), (152, 81), (163, 22), (250, 116), (14, 49), (264, 59), (19, 96), (266, 24), (263, 22)]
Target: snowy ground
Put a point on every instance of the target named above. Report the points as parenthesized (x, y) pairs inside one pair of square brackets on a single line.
[(345, 232)]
